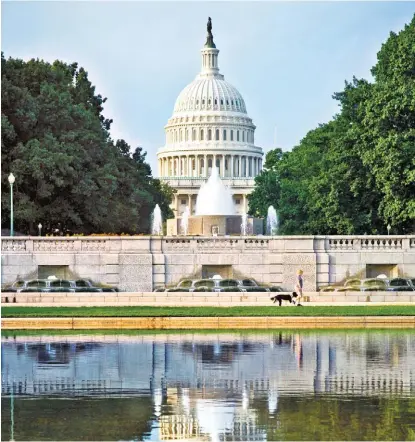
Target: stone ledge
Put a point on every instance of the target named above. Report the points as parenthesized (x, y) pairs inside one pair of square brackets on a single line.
[(266, 322)]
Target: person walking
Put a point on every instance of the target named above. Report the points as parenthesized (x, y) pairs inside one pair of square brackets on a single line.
[(299, 283)]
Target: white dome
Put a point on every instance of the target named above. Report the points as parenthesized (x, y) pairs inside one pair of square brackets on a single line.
[(210, 94)]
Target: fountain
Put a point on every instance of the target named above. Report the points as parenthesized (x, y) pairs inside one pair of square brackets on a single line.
[(214, 198), (272, 221), (184, 222), (157, 221), (215, 213), (244, 224)]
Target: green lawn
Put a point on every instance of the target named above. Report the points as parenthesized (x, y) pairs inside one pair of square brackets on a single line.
[(143, 311)]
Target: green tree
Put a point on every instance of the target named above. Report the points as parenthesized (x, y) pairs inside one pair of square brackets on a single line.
[(355, 174), (70, 175)]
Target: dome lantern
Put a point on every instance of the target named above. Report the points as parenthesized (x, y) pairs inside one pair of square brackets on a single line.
[(210, 67)]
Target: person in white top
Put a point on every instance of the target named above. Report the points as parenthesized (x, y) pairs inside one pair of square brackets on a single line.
[(299, 283)]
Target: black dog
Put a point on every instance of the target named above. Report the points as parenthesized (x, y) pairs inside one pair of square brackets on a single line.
[(280, 298)]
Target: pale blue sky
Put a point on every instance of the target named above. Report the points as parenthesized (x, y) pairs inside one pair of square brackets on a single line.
[(286, 58)]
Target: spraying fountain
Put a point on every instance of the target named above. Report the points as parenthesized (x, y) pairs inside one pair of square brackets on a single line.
[(272, 221), (184, 222), (157, 221), (244, 224), (215, 213), (214, 198)]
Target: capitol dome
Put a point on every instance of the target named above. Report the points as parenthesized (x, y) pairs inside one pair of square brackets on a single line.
[(210, 94), (209, 127)]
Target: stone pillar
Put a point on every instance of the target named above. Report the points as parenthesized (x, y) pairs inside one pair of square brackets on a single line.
[(246, 166), (214, 162), (205, 165), (244, 203), (188, 173), (176, 205), (190, 204)]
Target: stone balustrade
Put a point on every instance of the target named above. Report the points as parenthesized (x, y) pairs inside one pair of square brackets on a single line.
[(140, 263)]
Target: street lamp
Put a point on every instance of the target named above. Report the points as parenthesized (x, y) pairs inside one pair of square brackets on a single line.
[(389, 228), (40, 229), (11, 181)]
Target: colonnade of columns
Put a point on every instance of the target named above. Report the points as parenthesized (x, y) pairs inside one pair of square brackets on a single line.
[(200, 165)]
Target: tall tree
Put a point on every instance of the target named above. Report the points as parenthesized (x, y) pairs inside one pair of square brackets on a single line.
[(355, 174), (70, 175)]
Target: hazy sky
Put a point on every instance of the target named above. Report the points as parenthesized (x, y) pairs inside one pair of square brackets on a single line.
[(286, 58)]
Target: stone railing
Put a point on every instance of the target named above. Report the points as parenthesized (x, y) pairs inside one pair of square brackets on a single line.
[(371, 243), (195, 244), (196, 181)]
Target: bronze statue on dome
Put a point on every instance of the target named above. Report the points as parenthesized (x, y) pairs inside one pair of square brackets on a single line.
[(209, 41), (209, 26)]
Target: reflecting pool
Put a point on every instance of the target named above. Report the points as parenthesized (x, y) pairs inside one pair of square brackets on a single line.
[(279, 385)]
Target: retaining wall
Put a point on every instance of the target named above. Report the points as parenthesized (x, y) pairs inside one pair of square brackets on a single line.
[(197, 299), (137, 264)]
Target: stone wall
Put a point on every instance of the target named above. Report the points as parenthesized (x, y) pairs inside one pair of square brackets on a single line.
[(144, 262)]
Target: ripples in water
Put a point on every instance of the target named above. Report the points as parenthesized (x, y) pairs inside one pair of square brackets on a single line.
[(338, 385)]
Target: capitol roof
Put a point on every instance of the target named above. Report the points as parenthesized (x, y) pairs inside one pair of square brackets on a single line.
[(209, 91)]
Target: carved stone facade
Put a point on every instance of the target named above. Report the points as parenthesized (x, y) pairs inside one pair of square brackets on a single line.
[(142, 263)]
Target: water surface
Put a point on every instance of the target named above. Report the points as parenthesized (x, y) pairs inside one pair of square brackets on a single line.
[(282, 385)]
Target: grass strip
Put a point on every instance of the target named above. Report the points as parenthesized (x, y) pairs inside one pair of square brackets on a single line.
[(147, 311)]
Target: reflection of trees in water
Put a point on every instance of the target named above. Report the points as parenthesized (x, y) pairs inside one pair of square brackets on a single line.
[(56, 353), (338, 418)]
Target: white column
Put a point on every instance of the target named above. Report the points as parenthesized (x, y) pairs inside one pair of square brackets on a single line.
[(232, 164), (246, 166), (205, 166), (190, 204)]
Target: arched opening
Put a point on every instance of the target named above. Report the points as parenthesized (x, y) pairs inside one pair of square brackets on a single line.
[(217, 135), (201, 135)]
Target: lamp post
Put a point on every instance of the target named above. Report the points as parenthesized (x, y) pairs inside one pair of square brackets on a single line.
[(389, 228), (11, 181), (40, 229)]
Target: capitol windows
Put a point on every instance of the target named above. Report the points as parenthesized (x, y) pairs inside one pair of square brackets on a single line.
[(183, 202), (231, 135), (197, 102), (209, 102), (203, 102), (217, 135), (209, 134), (221, 102), (227, 102), (194, 135), (210, 162), (216, 101), (232, 102), (201, 135), (243, 135), (224, 134), (237, 135), (237, 201)]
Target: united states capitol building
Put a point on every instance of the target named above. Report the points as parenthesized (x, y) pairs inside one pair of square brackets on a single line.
[(209, 126)]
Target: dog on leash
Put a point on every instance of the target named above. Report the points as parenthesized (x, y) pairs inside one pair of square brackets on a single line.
[(280, 298)]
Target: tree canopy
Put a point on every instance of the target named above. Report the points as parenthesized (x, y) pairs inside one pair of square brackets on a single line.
[(70, 174), (356, 173)]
